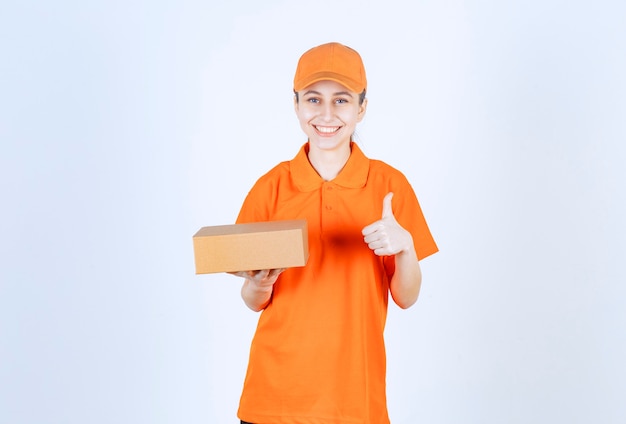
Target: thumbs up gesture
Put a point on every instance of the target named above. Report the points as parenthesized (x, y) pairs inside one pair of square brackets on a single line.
[(385, 236)]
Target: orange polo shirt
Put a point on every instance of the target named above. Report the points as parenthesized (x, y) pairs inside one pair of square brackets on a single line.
[(318, 355)]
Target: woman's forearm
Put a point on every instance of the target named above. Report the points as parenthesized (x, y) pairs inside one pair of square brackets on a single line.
[(407, 279)]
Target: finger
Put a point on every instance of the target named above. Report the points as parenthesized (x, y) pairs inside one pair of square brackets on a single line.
[(387, 211), (370, 229), (276, 272), (245, 274), (373, 236), (263, 274), (253, 275), (376, 244), (382, 251)]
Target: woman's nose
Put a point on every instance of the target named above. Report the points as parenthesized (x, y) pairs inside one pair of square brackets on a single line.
[(327, 111)]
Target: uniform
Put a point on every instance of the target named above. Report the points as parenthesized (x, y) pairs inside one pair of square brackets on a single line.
[(318, 354)]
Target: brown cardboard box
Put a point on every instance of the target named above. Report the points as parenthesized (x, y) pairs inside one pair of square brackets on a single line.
[(255, 246)]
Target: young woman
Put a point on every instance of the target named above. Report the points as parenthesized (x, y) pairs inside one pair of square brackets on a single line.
[(318, 355)]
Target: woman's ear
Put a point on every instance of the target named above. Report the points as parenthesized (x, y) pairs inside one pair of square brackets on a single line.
[(362, 109)]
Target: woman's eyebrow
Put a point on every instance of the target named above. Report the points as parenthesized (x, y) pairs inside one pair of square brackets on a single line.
[(343, 93), (317, 93)]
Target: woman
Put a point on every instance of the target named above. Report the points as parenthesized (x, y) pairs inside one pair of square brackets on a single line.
[(318, 354)]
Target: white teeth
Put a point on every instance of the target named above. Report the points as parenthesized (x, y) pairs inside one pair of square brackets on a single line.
[(327, 130)]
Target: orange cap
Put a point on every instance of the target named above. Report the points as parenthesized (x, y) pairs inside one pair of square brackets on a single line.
[(334, 62)]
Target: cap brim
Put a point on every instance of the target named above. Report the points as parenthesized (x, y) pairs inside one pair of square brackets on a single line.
[(349, 83)]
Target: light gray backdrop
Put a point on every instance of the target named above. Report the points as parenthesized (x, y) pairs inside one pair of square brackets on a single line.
[(126, 126)]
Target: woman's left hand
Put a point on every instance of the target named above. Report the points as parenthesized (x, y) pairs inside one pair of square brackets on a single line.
[(385, 236)]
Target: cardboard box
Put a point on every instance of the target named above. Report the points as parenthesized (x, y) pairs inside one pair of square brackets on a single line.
[(251, 247)]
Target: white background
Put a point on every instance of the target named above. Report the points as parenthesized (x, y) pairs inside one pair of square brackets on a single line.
[(125, 126)]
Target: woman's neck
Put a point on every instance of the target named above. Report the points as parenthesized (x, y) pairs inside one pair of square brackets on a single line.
[(329, 163)]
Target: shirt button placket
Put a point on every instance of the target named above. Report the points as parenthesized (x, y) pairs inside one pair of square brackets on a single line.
[(328, 199), (327, 206)]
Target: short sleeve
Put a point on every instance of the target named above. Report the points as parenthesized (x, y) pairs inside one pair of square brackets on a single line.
[(408, 213)]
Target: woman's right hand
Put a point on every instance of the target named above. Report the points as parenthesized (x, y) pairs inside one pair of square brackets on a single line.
[(258, 286), (262, 279)]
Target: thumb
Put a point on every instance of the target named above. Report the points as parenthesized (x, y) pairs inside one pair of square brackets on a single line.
[(387, 211)]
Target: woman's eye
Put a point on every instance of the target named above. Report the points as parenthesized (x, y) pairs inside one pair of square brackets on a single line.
[(313, 100), (340, 101)]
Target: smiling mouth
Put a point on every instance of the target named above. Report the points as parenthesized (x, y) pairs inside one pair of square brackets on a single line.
[(326, 130)]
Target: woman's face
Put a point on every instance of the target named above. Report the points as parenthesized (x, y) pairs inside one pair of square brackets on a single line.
[(328, 113)]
